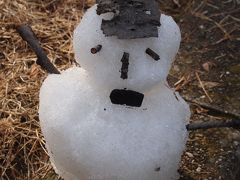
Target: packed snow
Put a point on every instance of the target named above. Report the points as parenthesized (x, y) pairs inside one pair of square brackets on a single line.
[(144, 72), (88, 137)]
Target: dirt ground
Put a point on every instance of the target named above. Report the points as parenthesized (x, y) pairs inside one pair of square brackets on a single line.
[(206, 71), (209, 55)]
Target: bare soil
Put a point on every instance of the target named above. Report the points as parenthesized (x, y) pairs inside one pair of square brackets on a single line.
[(209, 55)]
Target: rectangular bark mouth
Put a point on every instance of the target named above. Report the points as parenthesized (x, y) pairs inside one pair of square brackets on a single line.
[(126, 97)]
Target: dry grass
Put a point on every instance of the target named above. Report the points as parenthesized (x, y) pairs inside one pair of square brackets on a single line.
[(22, 153), (176, 8)]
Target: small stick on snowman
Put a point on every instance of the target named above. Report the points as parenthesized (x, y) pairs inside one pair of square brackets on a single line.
[(114, 117)]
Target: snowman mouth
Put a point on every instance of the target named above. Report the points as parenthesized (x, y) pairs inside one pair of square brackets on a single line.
[(126, 97)]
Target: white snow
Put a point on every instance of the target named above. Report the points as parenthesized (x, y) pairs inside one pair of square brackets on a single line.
[(88, 137), (144, 72), (87, 142)]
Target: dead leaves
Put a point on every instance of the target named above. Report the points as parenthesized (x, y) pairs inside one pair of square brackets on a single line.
[(183, 81), (207, 66)]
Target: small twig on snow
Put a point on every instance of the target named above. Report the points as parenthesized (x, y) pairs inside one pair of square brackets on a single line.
[(28, 35)]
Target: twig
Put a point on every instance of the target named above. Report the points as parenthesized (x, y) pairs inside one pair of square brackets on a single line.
[(201, 84), (182, 82), (176, 2), (153, 54), (204, 17), (125, 64), (96, 49), (28, 35), (234, 123), (213, 108)]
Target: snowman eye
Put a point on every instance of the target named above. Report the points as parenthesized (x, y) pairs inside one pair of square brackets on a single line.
[(96, 49), (125, 63), (153, 54)]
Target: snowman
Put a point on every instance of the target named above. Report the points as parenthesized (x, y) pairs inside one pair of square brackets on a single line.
[(115, 117)]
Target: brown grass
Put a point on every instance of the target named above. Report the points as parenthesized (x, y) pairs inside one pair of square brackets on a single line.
[(22, 153)]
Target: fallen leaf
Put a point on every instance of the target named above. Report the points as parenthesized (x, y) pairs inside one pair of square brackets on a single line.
[(207, 66)]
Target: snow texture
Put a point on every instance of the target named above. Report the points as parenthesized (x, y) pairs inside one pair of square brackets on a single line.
[(88, 137), (105, 66)]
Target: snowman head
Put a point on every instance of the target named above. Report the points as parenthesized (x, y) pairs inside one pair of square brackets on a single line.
[(113, 63)]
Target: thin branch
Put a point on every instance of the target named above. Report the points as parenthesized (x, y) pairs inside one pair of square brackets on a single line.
[(213, 108), (234, 123), (28, 35), (204, 17), (202, 86)]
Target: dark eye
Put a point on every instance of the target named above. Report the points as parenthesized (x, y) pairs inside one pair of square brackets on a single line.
[(153, 54), (96, 49)]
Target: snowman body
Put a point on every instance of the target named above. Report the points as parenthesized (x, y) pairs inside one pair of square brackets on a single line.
[(90, 138)]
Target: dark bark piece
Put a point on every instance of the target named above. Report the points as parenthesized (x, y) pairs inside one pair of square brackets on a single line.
[(28, 35), (151, 53), (96, 49), (132, 19), (125, 63)]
